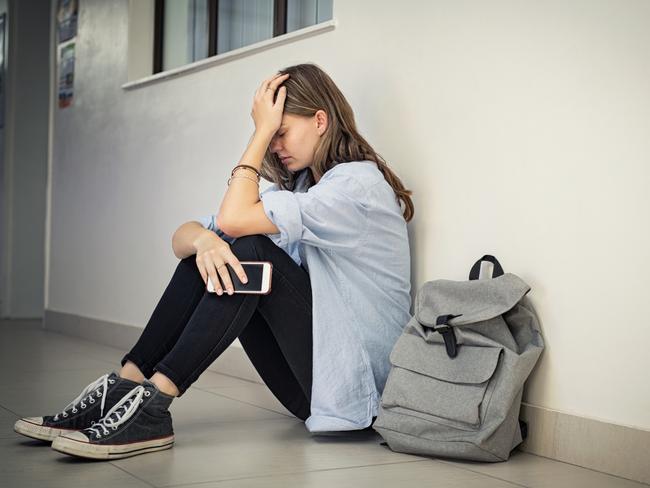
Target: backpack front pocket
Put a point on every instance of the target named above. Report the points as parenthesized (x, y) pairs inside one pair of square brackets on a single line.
[(425, 379)]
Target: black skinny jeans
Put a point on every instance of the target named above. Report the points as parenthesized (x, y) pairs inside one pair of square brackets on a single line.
[(190, 327)]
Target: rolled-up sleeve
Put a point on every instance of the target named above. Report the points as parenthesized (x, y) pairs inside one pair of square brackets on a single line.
[(209, 222), (331, 214)]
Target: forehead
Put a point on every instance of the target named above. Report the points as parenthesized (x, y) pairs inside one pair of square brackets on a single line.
[(292, 119)]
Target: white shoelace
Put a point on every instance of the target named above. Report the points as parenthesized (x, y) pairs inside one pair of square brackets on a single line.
[(101, 382), (129, 403)]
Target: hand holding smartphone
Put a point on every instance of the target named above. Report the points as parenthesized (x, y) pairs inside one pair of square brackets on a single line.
[(258, 274)]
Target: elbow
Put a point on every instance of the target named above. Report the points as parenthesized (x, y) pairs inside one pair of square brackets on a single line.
[(225, 226), (175, 246), (179, 244)]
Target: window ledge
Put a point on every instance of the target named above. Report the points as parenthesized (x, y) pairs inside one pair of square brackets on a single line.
[(234, 54)]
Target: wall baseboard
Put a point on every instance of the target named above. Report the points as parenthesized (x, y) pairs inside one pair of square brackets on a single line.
[(613, 449), (601, 446)]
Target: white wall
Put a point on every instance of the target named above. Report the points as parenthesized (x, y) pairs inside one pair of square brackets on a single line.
[(521, 126)]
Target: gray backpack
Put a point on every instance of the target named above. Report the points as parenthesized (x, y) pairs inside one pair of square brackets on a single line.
[(458, 369)]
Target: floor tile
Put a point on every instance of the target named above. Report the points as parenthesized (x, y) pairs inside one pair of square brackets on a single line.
[(47, 393), (32, 463), (210, 379), (253, 393), (78, 378), (223, 450), (46, 357), (538, 472), (45, 344), (201, 407), (7, 421), (414, 474)]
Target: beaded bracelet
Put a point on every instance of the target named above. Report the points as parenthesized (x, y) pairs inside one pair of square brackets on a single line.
[(255, 181)]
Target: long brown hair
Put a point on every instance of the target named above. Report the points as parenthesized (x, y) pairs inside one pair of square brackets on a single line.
[(310, 89)]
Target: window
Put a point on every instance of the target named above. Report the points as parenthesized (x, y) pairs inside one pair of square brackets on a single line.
[(189, 30)]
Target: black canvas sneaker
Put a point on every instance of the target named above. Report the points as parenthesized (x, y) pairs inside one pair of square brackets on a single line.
[(139, 423), (89, 406)]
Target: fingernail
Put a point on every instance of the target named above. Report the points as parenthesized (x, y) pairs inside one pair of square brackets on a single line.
[(219, 292), (244, 280), (230, 292)]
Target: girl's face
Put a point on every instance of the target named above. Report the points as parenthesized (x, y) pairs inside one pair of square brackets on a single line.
[(296, 139)]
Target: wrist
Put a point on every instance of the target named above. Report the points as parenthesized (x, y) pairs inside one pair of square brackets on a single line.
[(202, 233), (264, 134)]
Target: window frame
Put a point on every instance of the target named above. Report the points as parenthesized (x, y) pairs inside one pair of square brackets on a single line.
[(279, 28)]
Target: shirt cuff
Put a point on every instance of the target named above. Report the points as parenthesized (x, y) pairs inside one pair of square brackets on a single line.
[(208, 221), (282, 208)]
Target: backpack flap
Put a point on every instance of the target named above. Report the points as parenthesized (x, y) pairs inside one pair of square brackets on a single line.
[(470, 301), (443, 304)]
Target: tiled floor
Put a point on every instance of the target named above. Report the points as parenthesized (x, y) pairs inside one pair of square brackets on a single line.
[(229, 433)]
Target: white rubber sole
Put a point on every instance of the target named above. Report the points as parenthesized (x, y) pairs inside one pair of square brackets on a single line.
[(36, 431), (93, 451)]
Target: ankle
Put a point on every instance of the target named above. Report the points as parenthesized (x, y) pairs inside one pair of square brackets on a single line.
[(131, 372), (164, 384)]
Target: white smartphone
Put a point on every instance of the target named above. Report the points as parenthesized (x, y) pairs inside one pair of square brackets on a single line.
[(259, 278)]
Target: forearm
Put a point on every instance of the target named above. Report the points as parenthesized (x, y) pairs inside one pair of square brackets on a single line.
[(184, 238), (242, 193)]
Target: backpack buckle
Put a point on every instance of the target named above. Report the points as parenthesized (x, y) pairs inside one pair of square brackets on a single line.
[(447, 332)]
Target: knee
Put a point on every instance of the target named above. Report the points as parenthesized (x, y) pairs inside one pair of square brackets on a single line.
[(187, 263), (250, 248)]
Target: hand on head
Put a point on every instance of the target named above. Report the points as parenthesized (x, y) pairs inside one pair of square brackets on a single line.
[(266, 114)]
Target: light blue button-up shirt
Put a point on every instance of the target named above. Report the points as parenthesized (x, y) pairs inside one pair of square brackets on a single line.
[(349, 232)]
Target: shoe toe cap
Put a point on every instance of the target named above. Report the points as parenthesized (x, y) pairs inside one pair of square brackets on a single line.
[(76, 436), (33, 420)]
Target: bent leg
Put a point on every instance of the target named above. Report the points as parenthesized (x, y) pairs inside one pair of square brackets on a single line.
[(218, 320), (169, 318), (288, 375)]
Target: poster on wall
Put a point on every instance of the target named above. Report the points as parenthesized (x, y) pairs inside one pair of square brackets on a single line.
[(66, 16), (3, 23), (66, 74)]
